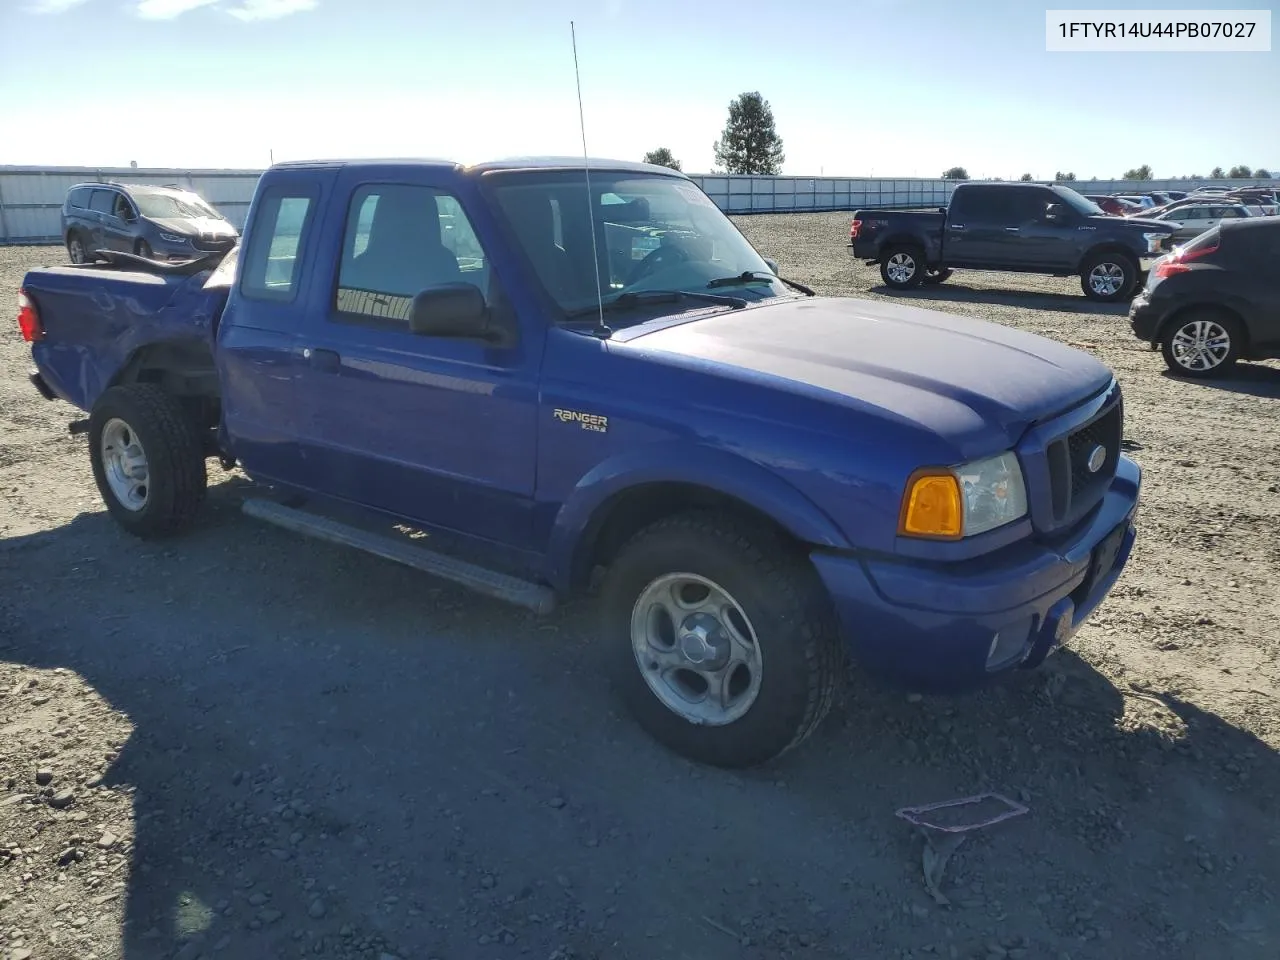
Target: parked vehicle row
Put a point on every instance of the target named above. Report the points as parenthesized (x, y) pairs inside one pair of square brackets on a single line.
[(759, 480), (1019, 227), (160, 222)]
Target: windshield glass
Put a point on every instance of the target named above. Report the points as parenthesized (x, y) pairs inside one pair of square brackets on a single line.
[(652, 233), (1080, 204), (164, 205)]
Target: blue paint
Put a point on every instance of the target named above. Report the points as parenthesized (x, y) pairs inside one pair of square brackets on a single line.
[(813, 411)]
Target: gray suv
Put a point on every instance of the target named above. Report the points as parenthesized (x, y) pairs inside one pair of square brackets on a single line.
[(160, 223)]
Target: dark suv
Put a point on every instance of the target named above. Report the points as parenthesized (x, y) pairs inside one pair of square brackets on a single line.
[(161, 223)]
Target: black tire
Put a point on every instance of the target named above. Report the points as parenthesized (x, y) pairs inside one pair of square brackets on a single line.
[(786, 609), (143, 249), (1217, 325), (933, 276), (1119, 266), (78, 248), (902, 267), (174, 459)]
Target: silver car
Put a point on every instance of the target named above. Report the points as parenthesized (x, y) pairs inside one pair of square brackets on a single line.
[(1195, 218)]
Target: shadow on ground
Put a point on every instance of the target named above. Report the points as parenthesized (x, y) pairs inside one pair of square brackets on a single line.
[(1253, 379), (449, 779), (952, 292)]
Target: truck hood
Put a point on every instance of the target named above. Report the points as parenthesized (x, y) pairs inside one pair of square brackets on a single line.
[(1151, 226), (954, 376)]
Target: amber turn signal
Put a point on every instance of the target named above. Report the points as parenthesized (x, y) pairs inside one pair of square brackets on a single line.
[(932, 506)]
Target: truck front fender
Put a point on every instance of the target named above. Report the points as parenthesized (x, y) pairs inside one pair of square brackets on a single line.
[(674, 464)]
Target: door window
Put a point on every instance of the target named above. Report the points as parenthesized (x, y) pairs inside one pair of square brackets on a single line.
[(103, 201), (275, 246), (400, 240)]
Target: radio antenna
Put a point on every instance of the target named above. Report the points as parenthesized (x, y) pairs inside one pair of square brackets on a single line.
[(602, 330)]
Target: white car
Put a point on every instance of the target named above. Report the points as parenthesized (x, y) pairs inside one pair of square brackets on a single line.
[(1195, 219)]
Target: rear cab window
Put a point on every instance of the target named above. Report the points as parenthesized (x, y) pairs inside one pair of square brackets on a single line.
[(270, 265)]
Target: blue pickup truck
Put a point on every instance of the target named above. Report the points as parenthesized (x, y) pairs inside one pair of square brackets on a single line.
[(581, 377)]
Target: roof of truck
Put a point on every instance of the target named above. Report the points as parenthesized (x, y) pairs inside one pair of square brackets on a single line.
[(509, 163)]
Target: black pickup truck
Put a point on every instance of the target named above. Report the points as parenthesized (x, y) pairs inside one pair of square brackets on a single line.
[(1019, 227)]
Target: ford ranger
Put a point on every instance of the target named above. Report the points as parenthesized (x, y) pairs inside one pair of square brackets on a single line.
[(578, 377), (1016, 227)]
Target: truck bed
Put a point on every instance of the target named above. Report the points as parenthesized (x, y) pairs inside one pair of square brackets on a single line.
[(873, 231), (96, 318)]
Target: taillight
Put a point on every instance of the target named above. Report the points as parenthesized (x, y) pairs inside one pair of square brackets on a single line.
[(28, 319), (854, 227), (1180, 262)]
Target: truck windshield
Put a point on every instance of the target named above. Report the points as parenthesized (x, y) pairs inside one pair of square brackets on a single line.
[(1080, 204), (652, 233)]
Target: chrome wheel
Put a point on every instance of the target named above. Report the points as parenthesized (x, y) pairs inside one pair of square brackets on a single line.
[(696, 649), (124, 463), (1106, 279), (1200, 345), (901, 267)]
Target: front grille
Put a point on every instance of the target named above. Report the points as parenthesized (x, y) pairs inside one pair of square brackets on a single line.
[(1075, 487), (214, 244)]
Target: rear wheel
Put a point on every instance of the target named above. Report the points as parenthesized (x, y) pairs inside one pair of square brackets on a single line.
[(77, 249), (148, 461), (719, 639), (1108, 277), (934, 275), (1202, 344), (902, 267)]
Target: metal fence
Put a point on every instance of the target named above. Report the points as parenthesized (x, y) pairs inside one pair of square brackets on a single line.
[(31, 197)]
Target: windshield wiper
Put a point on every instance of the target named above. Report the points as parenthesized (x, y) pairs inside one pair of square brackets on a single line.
[(644, 298), (758, 276)]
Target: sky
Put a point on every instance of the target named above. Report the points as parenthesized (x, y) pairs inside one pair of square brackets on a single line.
[(857, 87)]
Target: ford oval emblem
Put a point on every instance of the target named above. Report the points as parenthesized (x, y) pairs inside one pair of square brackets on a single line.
[(1097, 457)]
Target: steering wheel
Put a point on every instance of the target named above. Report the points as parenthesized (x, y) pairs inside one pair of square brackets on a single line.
[(660, 257)]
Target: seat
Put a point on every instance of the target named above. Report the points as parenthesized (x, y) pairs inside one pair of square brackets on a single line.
[(405, 254), (530, 213)]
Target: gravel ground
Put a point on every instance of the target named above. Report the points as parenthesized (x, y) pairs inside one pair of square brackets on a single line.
[(248, 745)]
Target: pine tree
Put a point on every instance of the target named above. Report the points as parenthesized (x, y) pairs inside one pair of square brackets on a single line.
[(749, 143)]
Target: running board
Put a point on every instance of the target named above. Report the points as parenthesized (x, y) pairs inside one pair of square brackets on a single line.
[(500, 586)]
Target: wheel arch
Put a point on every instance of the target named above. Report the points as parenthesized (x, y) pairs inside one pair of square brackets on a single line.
[(182, 367), (623, 495), (1112, 248)]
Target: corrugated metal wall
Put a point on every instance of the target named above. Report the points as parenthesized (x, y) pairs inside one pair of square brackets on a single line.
[(31, 197)]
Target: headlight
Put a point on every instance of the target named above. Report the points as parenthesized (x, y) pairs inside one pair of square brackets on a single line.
[(950, 503), (173, 238), (1154, 240)]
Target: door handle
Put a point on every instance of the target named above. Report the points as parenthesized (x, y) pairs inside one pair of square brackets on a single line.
[(1012, 229), (957, 226), (326, 360)]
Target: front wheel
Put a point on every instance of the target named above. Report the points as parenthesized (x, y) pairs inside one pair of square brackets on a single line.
[(1108, 277), (148, 461), (1202, 344), (902, 268), (719, 640)]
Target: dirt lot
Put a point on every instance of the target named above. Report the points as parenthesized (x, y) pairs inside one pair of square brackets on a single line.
[(256, 746)]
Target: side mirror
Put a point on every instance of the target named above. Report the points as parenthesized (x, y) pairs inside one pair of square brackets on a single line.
[(451, 310), (771, 264), (1055, 211)]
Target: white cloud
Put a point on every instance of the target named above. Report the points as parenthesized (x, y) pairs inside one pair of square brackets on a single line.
[(54, 6), (168, 9), (270, 9)]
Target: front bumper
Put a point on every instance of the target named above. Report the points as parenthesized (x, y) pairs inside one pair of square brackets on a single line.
[(949, 630)]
